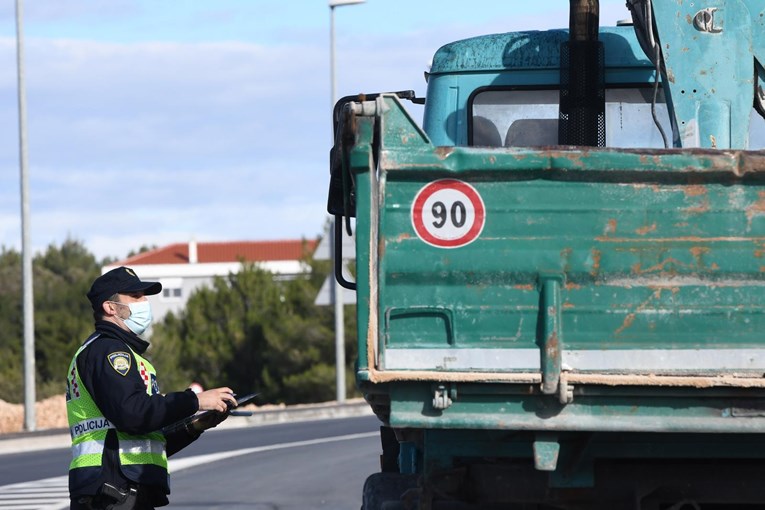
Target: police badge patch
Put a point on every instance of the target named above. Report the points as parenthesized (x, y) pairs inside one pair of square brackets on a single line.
[(120, 361)]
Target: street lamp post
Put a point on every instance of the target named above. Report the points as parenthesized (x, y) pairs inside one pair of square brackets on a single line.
[(332, 5), (337, 290), (26, 253)]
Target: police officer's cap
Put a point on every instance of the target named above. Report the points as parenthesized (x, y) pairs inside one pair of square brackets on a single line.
[(121, 280)]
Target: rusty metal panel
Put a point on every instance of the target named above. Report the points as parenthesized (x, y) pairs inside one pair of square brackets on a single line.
[(659, 255)]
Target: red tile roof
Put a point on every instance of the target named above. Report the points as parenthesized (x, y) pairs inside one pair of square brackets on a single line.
[(250, 251)]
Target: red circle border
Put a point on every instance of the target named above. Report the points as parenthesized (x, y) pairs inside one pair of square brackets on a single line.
[(469, 191)]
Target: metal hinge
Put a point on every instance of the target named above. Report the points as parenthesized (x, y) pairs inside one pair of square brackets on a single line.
[(442, 397)]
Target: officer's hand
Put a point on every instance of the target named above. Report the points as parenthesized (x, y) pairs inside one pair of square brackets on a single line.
[(208, 421), (218, 399)]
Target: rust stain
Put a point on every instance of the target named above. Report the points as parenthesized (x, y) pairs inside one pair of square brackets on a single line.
[(660, 267), (572, 286), (533, 379), (595, 262), (644, 230), (523, 287), (552, 345), (679, 239), (756, 209), (659, 288), (738, 163), (610, 227), (568, 306), (565, 254), (698, 252), (630, 318), (702, 207), (641, 185), (443, 152), (695, 190), (575, 157)]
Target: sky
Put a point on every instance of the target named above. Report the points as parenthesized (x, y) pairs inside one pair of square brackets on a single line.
[(156, 122)]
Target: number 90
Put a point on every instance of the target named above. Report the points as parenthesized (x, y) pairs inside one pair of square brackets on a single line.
[(456, 214)]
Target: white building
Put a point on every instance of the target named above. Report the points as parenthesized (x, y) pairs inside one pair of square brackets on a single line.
[(183, 267)]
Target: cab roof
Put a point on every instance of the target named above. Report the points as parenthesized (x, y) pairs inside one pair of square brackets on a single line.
[(532, 50)]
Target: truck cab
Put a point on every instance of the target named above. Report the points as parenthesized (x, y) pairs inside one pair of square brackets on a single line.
[(503, 90)]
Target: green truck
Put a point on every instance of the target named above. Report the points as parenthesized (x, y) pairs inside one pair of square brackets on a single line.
[(560, 275)]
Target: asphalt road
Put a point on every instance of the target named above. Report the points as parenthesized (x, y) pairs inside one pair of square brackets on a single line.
[(306, 465)]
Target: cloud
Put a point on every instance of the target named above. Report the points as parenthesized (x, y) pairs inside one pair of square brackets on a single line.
[(175, 101), (154, 141), (177, 138), (55, 11)]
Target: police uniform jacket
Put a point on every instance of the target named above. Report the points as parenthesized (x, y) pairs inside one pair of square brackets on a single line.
[(124, 401)]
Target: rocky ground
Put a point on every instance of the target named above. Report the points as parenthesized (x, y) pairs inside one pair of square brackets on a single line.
[(49, 414)]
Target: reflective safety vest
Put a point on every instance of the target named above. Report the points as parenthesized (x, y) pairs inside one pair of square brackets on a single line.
[(142, 457)]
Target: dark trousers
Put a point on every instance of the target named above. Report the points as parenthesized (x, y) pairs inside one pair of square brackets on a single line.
[(101, 502)]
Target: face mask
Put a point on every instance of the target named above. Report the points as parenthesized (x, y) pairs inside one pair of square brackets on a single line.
[(140, 317)]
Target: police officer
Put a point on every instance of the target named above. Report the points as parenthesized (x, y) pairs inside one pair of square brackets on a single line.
[(115, 410)]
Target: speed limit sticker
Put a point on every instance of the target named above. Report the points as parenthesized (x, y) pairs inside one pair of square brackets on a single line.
[(448, 213)]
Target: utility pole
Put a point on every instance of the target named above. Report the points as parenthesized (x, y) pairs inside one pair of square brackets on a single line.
[(26, 253), (337, 289)]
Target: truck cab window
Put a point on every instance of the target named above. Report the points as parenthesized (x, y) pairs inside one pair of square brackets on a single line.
[(529, 118), (513, 118)]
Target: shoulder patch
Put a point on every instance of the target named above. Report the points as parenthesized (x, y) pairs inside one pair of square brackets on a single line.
[(120, 362)]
